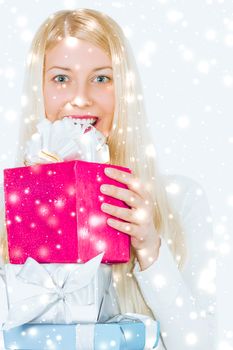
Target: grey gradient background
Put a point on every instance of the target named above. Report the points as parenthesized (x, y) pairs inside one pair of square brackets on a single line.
[(184, 54)]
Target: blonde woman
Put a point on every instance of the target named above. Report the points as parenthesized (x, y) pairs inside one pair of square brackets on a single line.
[(81, 65)]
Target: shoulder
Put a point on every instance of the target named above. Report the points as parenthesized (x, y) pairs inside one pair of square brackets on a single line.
[(185, 183), (183, 192)]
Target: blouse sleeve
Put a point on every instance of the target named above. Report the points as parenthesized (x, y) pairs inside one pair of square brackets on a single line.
[(183, 301)]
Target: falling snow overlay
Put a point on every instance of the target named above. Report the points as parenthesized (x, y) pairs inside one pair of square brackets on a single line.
[(184, 55)]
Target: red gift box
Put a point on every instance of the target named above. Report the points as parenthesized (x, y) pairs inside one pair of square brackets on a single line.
[(53, 214)]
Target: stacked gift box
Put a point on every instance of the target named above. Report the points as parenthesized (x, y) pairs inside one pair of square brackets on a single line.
[(58, 282)]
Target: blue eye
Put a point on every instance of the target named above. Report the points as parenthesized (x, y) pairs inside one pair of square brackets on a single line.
[(60, 79), (102, 78)]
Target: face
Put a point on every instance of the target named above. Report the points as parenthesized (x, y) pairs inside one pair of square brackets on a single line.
[(78, 82)]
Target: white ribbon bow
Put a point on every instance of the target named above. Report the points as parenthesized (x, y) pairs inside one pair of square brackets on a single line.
[(60, 291), (65, 140)]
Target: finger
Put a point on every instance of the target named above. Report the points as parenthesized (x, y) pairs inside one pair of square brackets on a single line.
[(124, 227), (138, 216), (129, 197), (130, 180), (118, 212), (130, 229)]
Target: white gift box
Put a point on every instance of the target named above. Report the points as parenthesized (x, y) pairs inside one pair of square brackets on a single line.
[(3, 301), (59, 293)]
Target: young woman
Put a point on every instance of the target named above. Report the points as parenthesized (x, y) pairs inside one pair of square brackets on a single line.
[(81, 65)]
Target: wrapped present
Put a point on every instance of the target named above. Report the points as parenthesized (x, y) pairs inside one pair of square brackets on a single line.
[(3, 298), (53, 214), (129, 332), (59, 293)]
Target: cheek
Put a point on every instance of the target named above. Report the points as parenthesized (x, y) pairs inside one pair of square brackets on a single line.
[(54, 98), (108, 100)]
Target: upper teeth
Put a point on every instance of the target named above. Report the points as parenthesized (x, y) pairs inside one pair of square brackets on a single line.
[(87, 121), (91, 121)]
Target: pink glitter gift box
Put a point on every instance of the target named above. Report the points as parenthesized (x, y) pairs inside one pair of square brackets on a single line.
[(53, 214)]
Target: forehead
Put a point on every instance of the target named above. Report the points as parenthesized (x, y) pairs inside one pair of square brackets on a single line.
[(74, 51)]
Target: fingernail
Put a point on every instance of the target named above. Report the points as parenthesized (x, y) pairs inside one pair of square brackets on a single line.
[(108, 171), (103, 188)]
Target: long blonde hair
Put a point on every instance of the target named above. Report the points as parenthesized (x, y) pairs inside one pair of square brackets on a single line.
[(129, 140)]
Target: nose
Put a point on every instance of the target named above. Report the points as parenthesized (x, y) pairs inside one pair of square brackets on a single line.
[(81, 99), (81, 102)]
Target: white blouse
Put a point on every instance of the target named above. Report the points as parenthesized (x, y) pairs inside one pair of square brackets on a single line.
[(183, 301)]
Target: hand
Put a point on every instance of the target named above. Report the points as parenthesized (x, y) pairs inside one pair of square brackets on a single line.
[(138, 219)]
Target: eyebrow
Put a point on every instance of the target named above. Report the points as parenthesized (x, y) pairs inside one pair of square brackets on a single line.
[(68, 69)]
